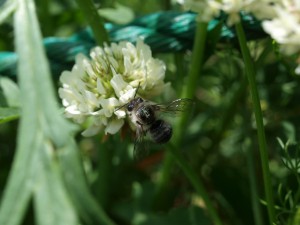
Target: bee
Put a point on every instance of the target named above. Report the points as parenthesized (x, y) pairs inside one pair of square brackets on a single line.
[(145, 116)]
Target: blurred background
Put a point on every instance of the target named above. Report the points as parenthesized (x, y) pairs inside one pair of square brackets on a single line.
[(220, 142)]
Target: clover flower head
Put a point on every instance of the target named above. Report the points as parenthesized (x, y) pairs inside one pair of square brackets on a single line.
[(284, 27), (208, 9), (280, 18), (97, 87)]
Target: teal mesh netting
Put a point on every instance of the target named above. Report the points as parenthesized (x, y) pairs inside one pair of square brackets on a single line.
[(163, 31)]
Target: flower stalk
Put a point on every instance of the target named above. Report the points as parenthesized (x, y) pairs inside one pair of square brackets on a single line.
[(250, 73), (193, 76), (196, 183), (96, 22), (173, 153)]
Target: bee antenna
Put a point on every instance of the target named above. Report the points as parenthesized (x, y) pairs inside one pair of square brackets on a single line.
[(138, 87), (120, 107)]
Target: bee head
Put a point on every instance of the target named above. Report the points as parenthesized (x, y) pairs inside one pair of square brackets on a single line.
[(133, 103), (130, 107)]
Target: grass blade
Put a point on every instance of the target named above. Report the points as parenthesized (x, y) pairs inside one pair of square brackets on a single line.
[(7, 9)]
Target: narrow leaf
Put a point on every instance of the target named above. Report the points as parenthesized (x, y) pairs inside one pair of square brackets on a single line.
[(7, 9), (87, 207), (50, 197), (36, 137), (18, 188), (58, 187), (8, 114), (9, 93)]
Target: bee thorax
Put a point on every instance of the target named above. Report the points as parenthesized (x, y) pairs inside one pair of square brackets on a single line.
[(145, 114), (160, 131)]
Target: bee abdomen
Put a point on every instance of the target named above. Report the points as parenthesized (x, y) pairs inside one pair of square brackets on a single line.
[(160, 131)]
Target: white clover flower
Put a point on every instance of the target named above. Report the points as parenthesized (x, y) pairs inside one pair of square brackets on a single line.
[(284, 28), (262, 9), (99, 85), (281, 18), (208, 9), (233, 7), (297, 70)]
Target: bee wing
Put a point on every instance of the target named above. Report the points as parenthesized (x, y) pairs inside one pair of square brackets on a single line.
[(140, 149), (175, 107)]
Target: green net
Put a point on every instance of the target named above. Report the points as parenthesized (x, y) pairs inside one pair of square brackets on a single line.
[(163, 32)]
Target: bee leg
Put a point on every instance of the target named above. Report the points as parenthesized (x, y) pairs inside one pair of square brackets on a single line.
[(141, 128), (140, 149)]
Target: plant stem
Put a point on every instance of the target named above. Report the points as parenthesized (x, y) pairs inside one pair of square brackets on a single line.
[(256, 207), (230, 112), (45, 17), (196, 183), (197, 58), (180, 71), (197, 61), (96, 22), (257, 214), (173, 153), (250, 72), (192, 79), (166, 5), (103, 181)]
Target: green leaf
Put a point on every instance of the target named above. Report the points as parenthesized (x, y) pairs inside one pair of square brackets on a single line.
[(9, 100), (8, 114), (7, 9), (297, 217), (33, 165), (58, 187), (87, 207), (9, 93), (120, 15), (213, 36), (49, 181)]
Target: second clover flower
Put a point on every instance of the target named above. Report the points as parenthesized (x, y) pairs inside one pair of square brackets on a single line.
[(98, 85)]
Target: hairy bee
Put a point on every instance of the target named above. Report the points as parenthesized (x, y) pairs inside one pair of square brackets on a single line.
[(146, 117)]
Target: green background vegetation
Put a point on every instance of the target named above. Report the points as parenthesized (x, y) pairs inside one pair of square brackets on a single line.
[(211, 173)]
